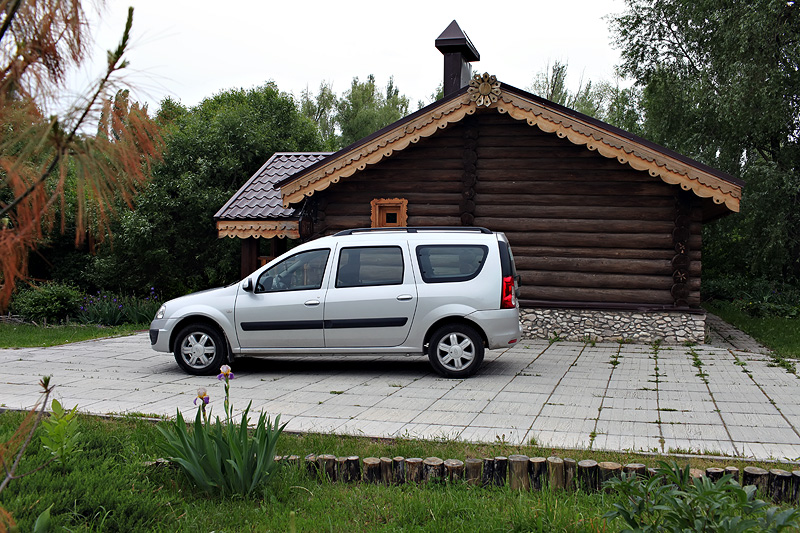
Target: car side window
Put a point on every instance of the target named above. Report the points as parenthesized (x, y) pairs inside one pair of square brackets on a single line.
[(303, 271), (450, 263), (370, 266)]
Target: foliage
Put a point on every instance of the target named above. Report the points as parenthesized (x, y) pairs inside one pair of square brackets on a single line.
[(28, 335), (673, 501), (782, 335), (758, 297), (44, 153), (50, 302), (61, 435), (720, 82), (113, 310), (170, 240), (224, 457)]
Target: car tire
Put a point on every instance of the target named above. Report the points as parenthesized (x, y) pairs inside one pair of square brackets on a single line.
[(200, 349), (456, 351)]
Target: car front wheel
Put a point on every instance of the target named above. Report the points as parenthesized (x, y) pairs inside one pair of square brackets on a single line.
[(456, 351), (200, 349)]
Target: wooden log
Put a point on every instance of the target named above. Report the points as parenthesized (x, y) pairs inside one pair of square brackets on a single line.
[(795, 487), (584, 212), (472, 471), (588, 479), (696, 473), (652, 472), (311, 464), (341, 469), (714, 473), (637, 469), (293, 460), (327, 466), (733, 471), (398, 470), (576, 294), (599, 265), (352, 469), (555, 472), (608, 470), (592, 240), (554, 186), (753, 475), (537, 470), (432, 469), (780, 485), (600, 253), (488, 472), (500, 471), (413, 470), (576, 225), (570, 468), (372, 470), (454, 470), (518, 472), (599, 280), (386, 470), (573, 200)]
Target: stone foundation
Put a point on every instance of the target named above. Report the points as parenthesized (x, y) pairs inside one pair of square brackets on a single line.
[(635, 326)]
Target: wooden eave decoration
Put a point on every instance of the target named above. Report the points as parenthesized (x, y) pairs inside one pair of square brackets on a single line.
[(549, 119), (260, 229)]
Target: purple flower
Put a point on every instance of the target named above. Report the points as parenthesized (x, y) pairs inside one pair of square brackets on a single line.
[(202, 395), (225, 373)]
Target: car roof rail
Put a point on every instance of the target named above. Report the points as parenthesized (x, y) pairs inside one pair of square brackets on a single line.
[(414, 229)]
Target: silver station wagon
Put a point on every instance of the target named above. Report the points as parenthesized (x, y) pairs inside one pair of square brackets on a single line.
[(447, 292)]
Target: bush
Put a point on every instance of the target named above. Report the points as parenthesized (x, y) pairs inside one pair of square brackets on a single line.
[(757, 297), (112, 310), (51, 302)]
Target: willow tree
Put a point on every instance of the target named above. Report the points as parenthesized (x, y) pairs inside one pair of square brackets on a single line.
[(99, 147)]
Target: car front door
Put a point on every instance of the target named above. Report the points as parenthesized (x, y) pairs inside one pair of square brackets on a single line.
[(285, 307), (371, 297)]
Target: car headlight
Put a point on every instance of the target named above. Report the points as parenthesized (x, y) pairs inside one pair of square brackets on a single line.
[(161, 311)]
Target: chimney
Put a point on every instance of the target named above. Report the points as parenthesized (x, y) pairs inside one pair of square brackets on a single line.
[(458, 52)]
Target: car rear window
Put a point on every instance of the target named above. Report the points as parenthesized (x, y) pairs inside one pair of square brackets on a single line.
[(370, 266), (443, 263)]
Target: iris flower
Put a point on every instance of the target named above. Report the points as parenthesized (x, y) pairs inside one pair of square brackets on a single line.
[(225, 373), (202, 395)]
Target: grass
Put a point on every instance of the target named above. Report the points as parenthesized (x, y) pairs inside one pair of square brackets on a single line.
[(108, 487), (32, 336), (779, 334)]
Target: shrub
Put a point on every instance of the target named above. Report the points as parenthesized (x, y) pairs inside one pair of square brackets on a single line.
[(52, 302), (108, 309)]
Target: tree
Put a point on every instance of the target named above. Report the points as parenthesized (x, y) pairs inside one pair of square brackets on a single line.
[(363, 109), (170, 240), (44, 153), (322, 110), (721, 82)]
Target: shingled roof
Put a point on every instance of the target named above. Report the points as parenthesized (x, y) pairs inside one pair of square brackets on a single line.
[(256, 210)]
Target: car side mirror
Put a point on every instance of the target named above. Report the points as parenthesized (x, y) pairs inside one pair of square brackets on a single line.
[(247, 286)]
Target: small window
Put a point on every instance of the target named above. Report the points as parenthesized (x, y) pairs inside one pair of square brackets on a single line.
[(387, 213), (450, 263), (303, 271), (370, 266)]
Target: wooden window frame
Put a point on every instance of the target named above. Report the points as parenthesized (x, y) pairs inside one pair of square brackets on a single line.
[(381, 205)]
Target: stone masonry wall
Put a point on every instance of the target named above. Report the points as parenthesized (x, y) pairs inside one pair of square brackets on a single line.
[(585, 325)]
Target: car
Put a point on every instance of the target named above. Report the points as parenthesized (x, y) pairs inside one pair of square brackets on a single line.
[(449, 293)]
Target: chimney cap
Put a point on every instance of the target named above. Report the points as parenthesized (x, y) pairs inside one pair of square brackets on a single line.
[(454, 40)]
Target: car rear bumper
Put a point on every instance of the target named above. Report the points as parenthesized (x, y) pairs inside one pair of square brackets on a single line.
[(502, 327)]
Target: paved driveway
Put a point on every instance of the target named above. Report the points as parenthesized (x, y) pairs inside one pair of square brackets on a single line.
[(710, 399)]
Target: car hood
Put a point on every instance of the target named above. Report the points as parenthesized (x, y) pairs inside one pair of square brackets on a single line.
[(218, 298)]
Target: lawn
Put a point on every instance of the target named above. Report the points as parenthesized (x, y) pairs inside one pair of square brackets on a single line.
[(779, 334), (32, 336)]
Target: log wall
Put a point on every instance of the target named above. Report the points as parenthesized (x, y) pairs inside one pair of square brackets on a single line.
[(586, 231)]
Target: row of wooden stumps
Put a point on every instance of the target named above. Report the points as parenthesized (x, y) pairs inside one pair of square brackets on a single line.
[(525, 473)]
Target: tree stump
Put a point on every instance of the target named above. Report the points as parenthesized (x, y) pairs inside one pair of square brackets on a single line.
[(311, 464), (555, 472), (518, 472), (638, 469), (398, 470), (733, 471), (372, 470), (714, 473), (454, 470), (780, 485), (570, 467), (414, 470), (588, 479), (696, 473), (327, 466), (353, 469), (488, 471), (537, 470), (500, 470), (795, 486), (432, 469), (294, 460), (386, 470), (608, 470), (472, 471), (759, 477)]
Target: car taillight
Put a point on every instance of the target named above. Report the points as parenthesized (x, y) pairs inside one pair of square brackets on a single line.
[(508, 298)]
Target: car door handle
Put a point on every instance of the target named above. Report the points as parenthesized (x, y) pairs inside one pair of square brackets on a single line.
[(404, 297), (311, 303)]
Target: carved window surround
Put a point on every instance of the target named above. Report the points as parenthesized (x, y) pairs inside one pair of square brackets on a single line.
[(389, 212)]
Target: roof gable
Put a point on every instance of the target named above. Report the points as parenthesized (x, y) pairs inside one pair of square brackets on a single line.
[(595, 135)]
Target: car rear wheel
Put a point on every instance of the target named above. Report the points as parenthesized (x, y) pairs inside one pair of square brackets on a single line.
[(200, 349), (456, 351)]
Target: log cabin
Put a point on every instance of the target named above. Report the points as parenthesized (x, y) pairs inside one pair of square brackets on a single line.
[(605, 226)]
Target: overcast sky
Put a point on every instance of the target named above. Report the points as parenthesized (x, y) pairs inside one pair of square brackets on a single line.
[(191, 50)]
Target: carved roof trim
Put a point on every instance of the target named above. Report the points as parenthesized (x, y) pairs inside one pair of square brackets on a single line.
[(265, 229)]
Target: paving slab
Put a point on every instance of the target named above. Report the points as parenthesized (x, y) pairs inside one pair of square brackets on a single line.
[(721, 399)]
